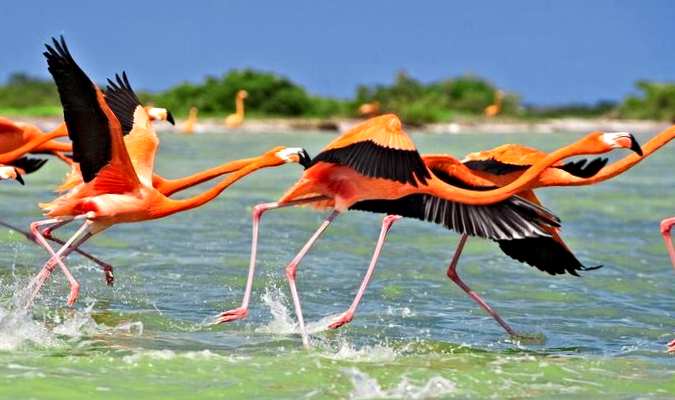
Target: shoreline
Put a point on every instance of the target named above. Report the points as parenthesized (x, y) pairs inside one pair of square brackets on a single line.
[(295, 125)]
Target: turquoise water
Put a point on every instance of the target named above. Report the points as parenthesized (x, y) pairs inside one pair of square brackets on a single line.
[(416, 335)]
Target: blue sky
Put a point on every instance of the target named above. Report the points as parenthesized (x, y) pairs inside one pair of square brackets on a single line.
[(548, 52)]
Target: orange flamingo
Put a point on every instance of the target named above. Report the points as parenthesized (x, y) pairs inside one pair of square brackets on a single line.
[(235, 120), (377, 161), (191, 121), (494, 109), (16, 134), (114, 192), (484, 171)]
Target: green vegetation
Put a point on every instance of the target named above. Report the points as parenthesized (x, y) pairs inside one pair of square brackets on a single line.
[(656, 102), (271, 95)]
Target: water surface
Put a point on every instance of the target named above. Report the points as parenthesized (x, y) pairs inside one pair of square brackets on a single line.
[(416, 335)]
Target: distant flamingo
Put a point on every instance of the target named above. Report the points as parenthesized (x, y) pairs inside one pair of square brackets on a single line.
[(114, 192), (495, 108), (191, 121), (484, 171), (376, 160), (235, 120), (368, 110)]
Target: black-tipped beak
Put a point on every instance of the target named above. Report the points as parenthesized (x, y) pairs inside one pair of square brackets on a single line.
[(169, 118), (19, 178), (635, 146), (305, 159)]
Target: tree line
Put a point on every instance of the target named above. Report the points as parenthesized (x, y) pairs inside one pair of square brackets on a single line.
[(417, 102)]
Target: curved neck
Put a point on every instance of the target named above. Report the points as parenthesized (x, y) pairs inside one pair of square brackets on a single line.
[(448, 192), (173, 206), (170, 186), (239, 103), (28, 146), (618, 167)]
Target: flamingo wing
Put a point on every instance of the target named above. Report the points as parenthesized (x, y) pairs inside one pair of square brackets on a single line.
[(377, 148), (92, 127), (513, 218), (510, 158), (123, 101), (548, 254)]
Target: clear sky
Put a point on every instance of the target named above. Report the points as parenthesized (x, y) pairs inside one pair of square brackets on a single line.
[(548, 52)]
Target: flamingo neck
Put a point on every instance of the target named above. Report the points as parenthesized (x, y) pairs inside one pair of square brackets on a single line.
[(170, 186), (28, 147), (441, 189), (171, 206), (239, 104)]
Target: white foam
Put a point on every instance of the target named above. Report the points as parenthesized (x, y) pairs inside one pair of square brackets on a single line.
[(374, 354), (366, 387)]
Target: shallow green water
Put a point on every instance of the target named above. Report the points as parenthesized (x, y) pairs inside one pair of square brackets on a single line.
[(416, 335)]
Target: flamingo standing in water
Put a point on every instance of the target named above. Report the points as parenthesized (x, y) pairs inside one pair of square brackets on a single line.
[(494, 109), (235, 120), (376, 160), (368, 110), (114, 191), (189, 124)]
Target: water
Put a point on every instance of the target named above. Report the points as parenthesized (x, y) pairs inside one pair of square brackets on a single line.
[(415, 336)]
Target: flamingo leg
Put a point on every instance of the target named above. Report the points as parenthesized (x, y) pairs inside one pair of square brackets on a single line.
[(107, 268), (452, 274), (77, 239), (242, 311), (348, 315), (666, 225), (291, 271)]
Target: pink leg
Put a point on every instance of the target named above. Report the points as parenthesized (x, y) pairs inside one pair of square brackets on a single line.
[(452, 274), (107, 268), (666, 225), (291, 271), (348, 315), (258, 210), (78, 238)]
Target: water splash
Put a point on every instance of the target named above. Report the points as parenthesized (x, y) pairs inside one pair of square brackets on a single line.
[(366, 387), (374, 354)]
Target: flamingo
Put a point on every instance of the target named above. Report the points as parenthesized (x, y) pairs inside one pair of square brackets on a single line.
[(484, 171), (494, 109), (123, 101), (13, 135), (235, 120), (191, 121), (376, 160), (368, 110), (113, 192)]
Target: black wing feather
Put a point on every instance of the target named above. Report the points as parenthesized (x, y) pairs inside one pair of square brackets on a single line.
[(375, 161), (88, 126), (29, 165), (545, 254), (122, 100), (582, 170)]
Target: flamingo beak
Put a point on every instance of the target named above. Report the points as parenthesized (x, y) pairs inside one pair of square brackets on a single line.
[(635, 146), (169, 118), (19, 178)]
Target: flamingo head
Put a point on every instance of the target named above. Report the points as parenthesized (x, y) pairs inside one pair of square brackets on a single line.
[(242, 94), (282, 155), (9, 172), (160, 114), (601, 142)]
